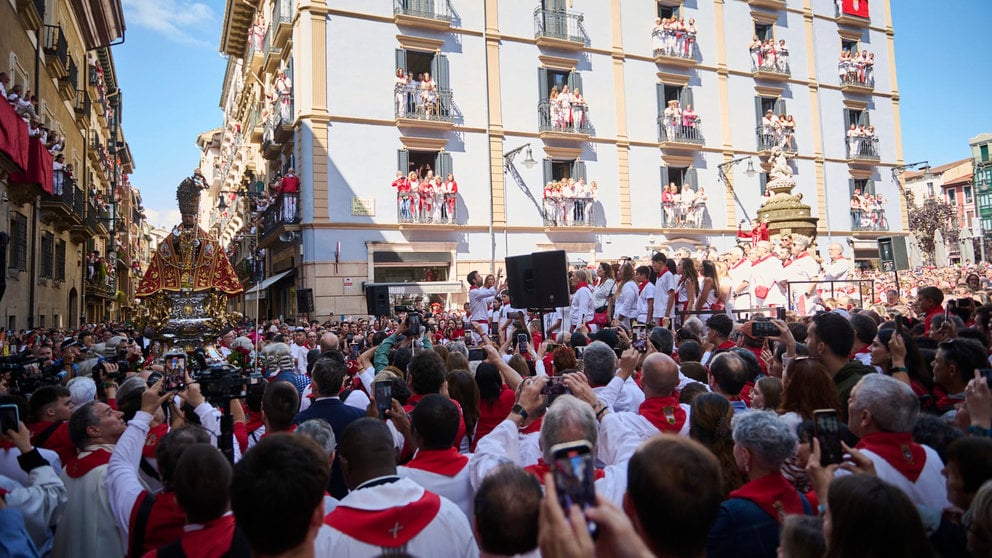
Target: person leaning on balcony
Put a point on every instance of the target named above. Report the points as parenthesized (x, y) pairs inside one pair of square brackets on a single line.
[(783, 57), (853, 140), (399, 89), (450, 190), (58, 169), (689, 118), (289, 187), (578, 109), (658, 36)]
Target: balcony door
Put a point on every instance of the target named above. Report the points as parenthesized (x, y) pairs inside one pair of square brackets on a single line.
[(555, 18)]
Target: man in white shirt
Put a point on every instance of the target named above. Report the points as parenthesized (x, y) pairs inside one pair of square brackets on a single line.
[(582, 309), (766, 270), (383, 512), (838, 269), (298, 348), (479, 299), (664, 289), (799, 270), (645, 294), (740, 278)]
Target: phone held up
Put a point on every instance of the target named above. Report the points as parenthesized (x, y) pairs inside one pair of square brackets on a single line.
[(10, 417), (383, 397), (763, 328), (826, 428), (574, 471)]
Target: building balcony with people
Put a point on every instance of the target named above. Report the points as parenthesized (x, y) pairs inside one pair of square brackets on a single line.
[(673, 42)]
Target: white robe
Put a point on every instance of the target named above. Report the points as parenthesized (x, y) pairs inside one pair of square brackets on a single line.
[(88, 527), (456, 488), (766, 272)]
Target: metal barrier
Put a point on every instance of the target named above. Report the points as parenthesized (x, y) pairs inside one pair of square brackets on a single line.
[(861, 289)]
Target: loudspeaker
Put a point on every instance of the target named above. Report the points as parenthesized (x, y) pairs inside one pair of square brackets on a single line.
[(892, 253), (538, 280), (377, 300), (304, 301)]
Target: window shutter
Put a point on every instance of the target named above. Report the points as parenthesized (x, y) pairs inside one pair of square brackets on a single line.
[(852, 185), (870, 186), (542, 84), (574, 81), (758, 113), (548, 172), (685, 96), (780, 107), (578, 170), (439, 67), (690, 178), (664, 177), (403, 161), (443, 164), (847, 121), (762, 182), (865, 119), (400, 59)]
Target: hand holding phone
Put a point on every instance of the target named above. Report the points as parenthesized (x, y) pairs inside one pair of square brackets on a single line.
[(10, 418), (383, 397), (826, 428), (574, 472)]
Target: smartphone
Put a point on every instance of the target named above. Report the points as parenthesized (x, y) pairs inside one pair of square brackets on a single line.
[(383, 397), (553, 388), (476, 354), (780, 313), (175, 371), (826, 428), (763, 328), (640, 332), (578, 352), (354, 352), (987, 374), (10, 418), (947, 308), (522, 341), (574, 470)]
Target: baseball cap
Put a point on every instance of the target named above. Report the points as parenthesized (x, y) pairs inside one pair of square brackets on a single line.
[(69, 342)]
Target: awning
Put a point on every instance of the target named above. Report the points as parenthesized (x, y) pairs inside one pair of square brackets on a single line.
[(425, 287), (269, 281)]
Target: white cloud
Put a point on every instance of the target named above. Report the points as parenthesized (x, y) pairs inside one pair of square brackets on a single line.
[(182, 21), (162, 218)]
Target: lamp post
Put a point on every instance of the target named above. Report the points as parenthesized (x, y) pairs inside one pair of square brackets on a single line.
[(725, 178), (897, 173), (508, 167)]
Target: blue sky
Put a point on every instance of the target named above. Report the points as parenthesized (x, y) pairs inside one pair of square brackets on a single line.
[(171, 71)]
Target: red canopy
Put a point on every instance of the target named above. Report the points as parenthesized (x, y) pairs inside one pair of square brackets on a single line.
[(13, 136), (39, 167)]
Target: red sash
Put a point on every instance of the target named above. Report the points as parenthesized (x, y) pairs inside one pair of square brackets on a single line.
[(165, 522), (155, 435), (214, 539), (898, 450), (79, 466), (726, 345), (391, 527), (664, 413), (533, 427), (443, 462), (541, 468), (773, 494)]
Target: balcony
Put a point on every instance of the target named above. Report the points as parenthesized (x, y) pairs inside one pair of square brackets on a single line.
[(255, 56), (81, 105), (282, 20), (282, 216), (56, 51), (424, 109), (553, 126), (770, 4), (772, 69), (679, 215), (684, 55), (862, 150), (568, 212), (857, 81), (872, 220), (32, 13), (436, 210), (272, 52), (559, 29), (427, 14), (685, 138), (770, 139), (283, 126), (853, 20), (256, 126), (59, 209), (69, 82)]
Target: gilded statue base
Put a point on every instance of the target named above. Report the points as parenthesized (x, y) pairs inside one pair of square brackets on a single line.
[(785, 212), (187, 319)]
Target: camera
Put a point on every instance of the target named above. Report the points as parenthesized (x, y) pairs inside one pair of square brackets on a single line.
[(414, 320), (554, 388), (223, 382)]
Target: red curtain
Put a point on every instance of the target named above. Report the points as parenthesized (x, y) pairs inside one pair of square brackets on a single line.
[(855, 7), (39, 167), (13, 136)]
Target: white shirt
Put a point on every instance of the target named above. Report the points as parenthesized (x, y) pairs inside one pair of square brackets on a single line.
[(10, 468), (837, 269), (478, 303), (620, 395), (930, 488), (448, 534), (88, 527), (122, 481), (646, 294), (40, 501), (766, 273), (456, 488), (626, 304), (602, 292), (582, 309), (664, 286), (740, 273), (299, 353)]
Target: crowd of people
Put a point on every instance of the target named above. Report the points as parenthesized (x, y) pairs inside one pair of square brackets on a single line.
[(769, 56), (777, 130), (678, 123), (868, 212), (862, 141), (567, 110), (683, 207), (674, 36), (857, 68), (569, 202), (426, 199), (610, 428), (417, 96)]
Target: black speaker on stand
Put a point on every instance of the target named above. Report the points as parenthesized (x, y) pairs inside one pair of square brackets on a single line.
[(538, 280), (377, 300)]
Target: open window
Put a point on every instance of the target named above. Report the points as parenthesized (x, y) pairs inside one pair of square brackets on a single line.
[(863, 186), (768, 136), (674, 127), (433, 204), (555, 171), (419, 103), (668, 12), (764, 31), (551, 79), (850, 46), (677, 211)]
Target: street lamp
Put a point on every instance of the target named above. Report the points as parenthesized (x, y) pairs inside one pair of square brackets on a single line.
[(897, 173), (528, 161), (725, 178)]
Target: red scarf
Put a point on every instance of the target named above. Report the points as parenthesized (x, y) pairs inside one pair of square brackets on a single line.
[(213, 540), (726, 345), (446, 462), (541, 468), (533, 428), (154, 436), (254, 420), (897, 449), (580, 285), (165, 522), (640, 287), (78, 467), (664, 413), (773, 494), (389, 528)]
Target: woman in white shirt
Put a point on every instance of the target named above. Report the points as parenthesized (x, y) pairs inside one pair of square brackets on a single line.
[(606, 285), (625, 307)]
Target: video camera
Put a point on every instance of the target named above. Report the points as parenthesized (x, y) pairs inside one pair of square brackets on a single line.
[(24, 376), (223, 382), (414, 320)]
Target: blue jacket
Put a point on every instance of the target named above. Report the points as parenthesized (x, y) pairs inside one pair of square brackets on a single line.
[(744, 530), (339, 416)]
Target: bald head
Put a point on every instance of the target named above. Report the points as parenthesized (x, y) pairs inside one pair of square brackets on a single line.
[(660, 375), (328, 342)]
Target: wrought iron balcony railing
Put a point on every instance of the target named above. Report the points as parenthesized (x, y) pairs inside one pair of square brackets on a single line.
[(871, 220), (435, 106), (568, 212), (557, 121), (772, 65), (678, 215), (862, 148), (680, 133), (768, 139), (429, 9), (434, 209), (559, 24)]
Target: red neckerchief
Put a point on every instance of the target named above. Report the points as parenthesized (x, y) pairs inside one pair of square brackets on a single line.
[(786, 263), (664, 413), (79, 466), (292, 428), (640, 287), (154, 436), (580, 285), (214, 539), (726, 345), (929, 317), (533, 427), (411, 402), (254, 420), (739, 263), (897, 449), (864, 350), (446, 462), (773, 494), (541, 468), (762, 259), (165, 522), (389, 528)]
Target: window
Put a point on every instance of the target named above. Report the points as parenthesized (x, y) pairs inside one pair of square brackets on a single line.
[(556, 79), (679, 176), (856, 117), (558, 170), (18, 76), (18, 242), (970, 219), (668, 12), (766, 135), (60, 260), (667, 93), (764, 31), (967, 194), (548, 80), (849, 46), (984, 151), (952, 196), (47, 255), (930, 192), (423, 161), (862, 186)]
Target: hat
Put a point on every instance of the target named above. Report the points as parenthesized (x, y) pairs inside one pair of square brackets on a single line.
[(69, 342), (842, 312)]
